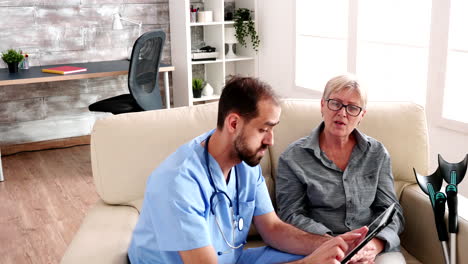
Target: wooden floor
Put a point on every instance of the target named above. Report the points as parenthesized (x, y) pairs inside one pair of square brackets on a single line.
[(43, 200)]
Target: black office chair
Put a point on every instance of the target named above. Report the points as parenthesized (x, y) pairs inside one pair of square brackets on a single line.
[(143, 77)]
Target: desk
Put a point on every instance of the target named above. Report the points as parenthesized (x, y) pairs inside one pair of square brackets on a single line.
[(94, 70)]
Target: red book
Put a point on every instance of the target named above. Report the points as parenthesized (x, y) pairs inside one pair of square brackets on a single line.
[(64, 69)]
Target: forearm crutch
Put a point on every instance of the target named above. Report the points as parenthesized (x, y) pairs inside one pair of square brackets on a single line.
[(453, 174), (431, 185)]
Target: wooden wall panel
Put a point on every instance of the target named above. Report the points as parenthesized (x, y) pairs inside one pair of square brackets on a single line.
[(23, 110), (59, 15), (58, 2), (100, 2), (145, 1), (148, 13), (18, 2), (16, 17), (47, 129), (100, 15)]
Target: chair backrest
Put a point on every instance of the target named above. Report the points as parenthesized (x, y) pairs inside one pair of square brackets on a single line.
[(143, 81)]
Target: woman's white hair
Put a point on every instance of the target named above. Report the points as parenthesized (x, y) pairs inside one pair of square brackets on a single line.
[(342, 82)]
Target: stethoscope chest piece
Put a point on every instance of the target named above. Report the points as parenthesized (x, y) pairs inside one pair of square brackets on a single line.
[(240, 224)]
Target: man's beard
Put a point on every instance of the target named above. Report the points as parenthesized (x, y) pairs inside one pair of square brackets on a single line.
[(246, 155)]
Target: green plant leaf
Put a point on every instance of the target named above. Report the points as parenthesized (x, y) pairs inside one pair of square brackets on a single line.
[(197, 84), (12, 56), (245, 27)]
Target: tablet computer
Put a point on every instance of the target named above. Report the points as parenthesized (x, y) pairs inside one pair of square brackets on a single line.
[(375, 227)]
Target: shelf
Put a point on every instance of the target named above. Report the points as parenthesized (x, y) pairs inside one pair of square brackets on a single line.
[(206, 24), (185, 36), (206, 98), (239, 58), (207, 61), (211, 23)]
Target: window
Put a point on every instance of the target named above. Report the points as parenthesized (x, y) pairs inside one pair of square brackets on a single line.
[(401, 50), (384, 42), (321, 42), (456, 88), (392, 48)]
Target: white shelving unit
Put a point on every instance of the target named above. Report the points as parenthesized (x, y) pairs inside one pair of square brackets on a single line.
[(215, 71)]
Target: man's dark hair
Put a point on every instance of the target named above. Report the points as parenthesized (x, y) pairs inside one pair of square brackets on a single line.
[(241, 95)]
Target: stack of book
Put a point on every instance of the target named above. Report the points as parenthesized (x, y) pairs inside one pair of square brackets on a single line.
[(64, 70)]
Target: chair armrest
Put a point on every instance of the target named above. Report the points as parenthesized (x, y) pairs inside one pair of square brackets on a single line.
[(104, 235), (420, 236)]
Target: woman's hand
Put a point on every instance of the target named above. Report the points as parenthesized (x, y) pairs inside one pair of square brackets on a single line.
[(368, 253)]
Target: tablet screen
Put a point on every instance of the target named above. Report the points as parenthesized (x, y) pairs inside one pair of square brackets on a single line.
[(374, 228)]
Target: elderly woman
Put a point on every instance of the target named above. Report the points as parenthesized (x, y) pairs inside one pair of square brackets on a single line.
[(337, 178)]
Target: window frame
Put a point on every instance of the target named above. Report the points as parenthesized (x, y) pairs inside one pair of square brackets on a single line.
[(437, 68)]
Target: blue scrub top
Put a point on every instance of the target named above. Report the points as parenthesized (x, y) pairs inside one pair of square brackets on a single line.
[(176, 212)]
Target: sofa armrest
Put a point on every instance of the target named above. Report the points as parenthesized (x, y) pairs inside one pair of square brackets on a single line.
[(420, 236), (104, 235)]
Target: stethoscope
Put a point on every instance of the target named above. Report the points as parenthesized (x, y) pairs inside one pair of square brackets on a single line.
[(237, 221)]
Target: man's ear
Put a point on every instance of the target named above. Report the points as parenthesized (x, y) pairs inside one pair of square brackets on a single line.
[(232, 122)]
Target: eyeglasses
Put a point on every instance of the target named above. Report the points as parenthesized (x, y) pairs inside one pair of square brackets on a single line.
[(352, 110)]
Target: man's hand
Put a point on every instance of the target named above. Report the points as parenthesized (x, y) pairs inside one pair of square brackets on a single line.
[(332, 251), (368, 253)]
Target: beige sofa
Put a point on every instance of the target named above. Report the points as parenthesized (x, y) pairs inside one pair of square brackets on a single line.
[(126, 148)]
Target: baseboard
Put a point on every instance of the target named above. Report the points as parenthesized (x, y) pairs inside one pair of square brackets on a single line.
[(47, 144)]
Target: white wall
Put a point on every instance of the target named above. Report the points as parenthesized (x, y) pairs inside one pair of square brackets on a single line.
[(276, 67), (276, 55)]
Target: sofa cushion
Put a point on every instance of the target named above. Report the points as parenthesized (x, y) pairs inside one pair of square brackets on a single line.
[(126, 148), (120, 170), (103, 236)]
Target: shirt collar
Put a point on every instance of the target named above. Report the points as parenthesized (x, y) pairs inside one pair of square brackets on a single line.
[(312, 141)]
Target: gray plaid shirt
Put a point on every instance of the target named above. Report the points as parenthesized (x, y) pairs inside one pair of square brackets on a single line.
[(313, 194)]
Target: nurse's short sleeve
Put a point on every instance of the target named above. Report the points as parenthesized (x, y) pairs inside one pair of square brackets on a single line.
[(179, 214), (263, 203)]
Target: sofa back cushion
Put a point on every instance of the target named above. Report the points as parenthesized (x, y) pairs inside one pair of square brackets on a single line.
[(400, 126), (126, 148)]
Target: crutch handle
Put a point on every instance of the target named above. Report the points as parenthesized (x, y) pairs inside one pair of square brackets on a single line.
[(452, 203), (439, 212)]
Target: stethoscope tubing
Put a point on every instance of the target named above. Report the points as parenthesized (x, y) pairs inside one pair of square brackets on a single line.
[(237, 221), (210, 178)]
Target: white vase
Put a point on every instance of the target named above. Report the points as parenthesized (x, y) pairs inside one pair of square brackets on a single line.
[(208, 90)]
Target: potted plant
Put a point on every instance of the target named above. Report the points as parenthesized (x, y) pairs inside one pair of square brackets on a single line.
[(12, 58), (244, 27), (197, 87)]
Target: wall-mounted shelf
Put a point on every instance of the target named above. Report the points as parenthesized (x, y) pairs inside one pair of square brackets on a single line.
[(206, 98), (206, 24), (214, 72), (239, 58), (207, 61)]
